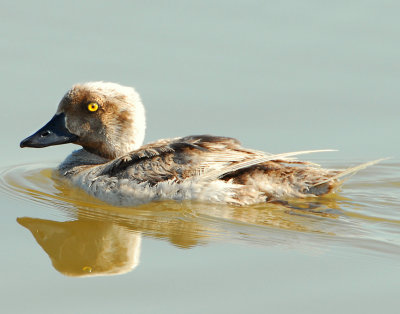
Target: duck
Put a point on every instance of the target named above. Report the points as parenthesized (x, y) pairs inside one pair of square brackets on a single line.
[(108, 121)]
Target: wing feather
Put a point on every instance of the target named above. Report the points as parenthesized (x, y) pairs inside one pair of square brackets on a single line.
[(202, 156)]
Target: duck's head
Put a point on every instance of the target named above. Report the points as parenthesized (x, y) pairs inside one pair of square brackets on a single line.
[(106, 119)]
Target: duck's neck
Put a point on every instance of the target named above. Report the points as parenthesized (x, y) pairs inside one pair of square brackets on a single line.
[(79, 158), (111, 151)]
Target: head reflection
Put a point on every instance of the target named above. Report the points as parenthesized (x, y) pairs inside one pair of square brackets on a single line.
[(86, 247)]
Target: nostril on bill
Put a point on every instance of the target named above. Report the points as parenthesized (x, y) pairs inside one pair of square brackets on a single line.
[(45, 133)]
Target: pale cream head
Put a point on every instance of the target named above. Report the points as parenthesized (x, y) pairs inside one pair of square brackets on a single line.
[(113, 129)]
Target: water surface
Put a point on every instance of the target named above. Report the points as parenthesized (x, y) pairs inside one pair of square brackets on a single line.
[(364, 216)]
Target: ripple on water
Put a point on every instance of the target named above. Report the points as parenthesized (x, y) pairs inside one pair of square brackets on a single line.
[(365, 214)]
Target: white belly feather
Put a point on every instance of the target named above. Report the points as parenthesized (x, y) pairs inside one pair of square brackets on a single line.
[(124, 192)]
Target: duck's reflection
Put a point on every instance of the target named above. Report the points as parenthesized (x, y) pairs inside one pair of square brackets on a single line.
[(109, 243), (106, 240), (86, 247)]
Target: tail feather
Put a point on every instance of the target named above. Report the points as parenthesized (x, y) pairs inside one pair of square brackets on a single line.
[(348, 173)]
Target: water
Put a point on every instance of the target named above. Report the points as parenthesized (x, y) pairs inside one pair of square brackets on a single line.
[(280, 76), (84, 237)]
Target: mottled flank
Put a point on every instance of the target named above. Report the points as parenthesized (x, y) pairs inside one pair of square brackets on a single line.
[(115, 167)]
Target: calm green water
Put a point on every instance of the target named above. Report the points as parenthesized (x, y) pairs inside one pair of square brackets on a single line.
[(280, 77)]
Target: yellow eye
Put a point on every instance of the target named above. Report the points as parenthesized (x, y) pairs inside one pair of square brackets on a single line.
[(93, 107)]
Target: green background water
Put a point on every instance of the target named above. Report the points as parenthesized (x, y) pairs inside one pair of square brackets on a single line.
[(279, 76)]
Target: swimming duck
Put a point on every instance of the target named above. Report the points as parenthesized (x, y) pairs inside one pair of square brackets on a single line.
[(108, 121)]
